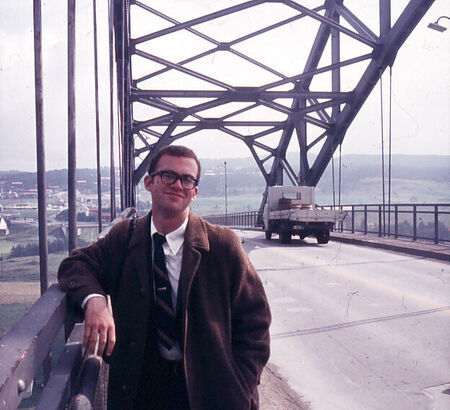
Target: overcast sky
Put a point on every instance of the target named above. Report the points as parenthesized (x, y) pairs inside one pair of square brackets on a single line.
[(421, 80)]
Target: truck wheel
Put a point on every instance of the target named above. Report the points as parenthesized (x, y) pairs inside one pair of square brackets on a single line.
[(323, 237), (285, 237), (268, 235)]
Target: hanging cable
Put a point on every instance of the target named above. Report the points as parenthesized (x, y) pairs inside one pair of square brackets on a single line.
[(340, 174), (390, 150), (332, 179), (97, 120), (119, 150), (382, 154), (112, 170)]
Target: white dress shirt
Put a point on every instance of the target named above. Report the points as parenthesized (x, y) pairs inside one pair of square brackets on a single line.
[(173, 252)]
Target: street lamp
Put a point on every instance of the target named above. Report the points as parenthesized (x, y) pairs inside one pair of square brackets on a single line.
[(226, 199), (436, 26)]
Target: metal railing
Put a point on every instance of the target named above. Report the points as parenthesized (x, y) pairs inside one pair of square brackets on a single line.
[(74, 381), (423, 222), (243, 219)]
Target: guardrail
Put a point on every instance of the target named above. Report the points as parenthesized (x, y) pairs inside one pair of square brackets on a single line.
[(424, 222), (74, 381), (243, 219)]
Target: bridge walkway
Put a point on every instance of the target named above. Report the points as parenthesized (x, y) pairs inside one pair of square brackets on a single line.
[(424, 249)]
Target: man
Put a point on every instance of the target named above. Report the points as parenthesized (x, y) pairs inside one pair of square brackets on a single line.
[(213, 355)]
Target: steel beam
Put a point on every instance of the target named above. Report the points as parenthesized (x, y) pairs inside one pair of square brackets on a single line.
[(383, 57), (329, 112)]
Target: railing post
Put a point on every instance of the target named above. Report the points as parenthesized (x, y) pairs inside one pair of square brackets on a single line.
[(414, 222), (379, 221), (365, 219), (436, 224), (396, 221), (353, 218)]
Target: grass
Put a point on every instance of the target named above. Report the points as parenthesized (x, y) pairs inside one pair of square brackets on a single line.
[(19, 289), (6, 246), (20, 286)]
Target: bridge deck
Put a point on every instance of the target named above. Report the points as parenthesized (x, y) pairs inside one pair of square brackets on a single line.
[(428, 250)]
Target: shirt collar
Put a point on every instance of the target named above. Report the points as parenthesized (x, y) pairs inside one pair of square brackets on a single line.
[(175, 238)]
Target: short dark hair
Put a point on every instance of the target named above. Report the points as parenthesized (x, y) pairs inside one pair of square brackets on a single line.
[(174, 151)]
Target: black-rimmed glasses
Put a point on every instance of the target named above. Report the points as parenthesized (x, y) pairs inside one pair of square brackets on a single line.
[(170, 177)]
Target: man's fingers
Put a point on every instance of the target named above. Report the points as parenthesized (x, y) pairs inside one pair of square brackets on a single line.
[(111, 340), (101, 342), (99, 325), (93, 339), (106, 336), (90, 337), (86, 335)]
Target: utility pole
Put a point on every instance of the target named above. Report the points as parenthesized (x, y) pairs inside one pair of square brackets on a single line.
[(71, 129), (40, 147), (226, 199)]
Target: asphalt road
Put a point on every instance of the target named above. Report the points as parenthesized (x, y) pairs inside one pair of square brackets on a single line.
[(356, 327)]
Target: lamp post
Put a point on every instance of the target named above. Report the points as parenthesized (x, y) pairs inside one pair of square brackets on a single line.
[(226, 199), (225, 190), (436, 26)]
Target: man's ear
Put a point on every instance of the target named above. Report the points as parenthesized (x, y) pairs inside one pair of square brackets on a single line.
[(194, 194), (148, 181)]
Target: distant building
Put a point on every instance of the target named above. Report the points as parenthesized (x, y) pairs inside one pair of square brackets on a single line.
[(4, 230)]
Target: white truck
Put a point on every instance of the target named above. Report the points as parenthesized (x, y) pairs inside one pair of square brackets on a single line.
[(292, 211)]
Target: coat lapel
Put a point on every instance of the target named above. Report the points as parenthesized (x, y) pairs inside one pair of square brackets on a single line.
[(195, 241), (140, 247)]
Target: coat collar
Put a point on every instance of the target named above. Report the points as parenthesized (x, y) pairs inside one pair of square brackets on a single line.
[(195, 242), (140, 246), (195, 235), (141, 234)]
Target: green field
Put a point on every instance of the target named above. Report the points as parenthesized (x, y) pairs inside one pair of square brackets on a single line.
[(20, 286), (5, 246)]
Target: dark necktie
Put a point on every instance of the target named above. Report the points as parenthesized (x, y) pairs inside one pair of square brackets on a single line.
[(165, 316)]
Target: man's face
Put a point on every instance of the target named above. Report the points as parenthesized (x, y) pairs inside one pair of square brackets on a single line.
[(172, 199)]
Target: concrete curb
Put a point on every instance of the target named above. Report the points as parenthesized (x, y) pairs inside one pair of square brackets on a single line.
[(439, 252)]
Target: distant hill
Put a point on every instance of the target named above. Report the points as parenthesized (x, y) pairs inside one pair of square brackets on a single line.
[(415, 178)]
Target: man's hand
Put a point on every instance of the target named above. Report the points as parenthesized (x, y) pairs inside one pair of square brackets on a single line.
[(99, 323)]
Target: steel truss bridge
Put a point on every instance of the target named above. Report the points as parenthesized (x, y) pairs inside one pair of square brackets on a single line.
[(272, 74)]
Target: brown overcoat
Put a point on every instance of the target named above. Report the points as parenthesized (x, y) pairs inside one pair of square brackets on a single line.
[(224, 314)]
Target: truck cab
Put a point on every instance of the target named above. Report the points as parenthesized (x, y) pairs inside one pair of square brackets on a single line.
[(292, 211)]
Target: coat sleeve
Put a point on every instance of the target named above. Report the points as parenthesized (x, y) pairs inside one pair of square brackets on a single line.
[(251, 318), (92, 269)]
